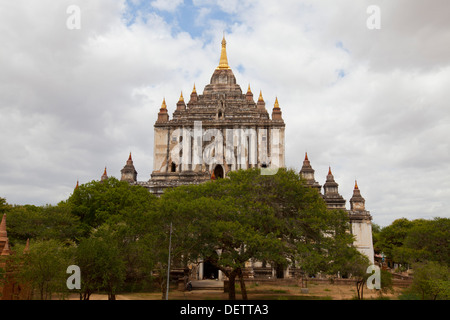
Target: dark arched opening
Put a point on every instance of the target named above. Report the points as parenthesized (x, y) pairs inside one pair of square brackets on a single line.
[(218, 172), (210, 271)]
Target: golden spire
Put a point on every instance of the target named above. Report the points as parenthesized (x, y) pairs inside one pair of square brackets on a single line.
[(194, 90), (260, 96), (249, 90), (306, 156), (164, 106), (181, 97), (276, 105), (356, 185), (223, 64)]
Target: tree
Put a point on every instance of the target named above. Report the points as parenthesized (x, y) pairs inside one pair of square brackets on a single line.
[(431, 280), (101, 263), (44, 267), (414, 241), (427, 240), (357, 267), (123, 212), (4, 206), (250, 216), (42, 223), (95, 202), (392, 237), (136, 231)]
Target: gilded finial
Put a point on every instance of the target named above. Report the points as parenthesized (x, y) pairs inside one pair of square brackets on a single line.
[(260, 96), (329, 170), (129, 158), (223, 64), (164, 106), (356, 185), (276, 105), (306, 156), (181, 97), (194, 90), (249, 90)]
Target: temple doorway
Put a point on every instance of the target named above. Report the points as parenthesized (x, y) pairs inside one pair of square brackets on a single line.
[(279, 271), (218, 172), (210, 271)]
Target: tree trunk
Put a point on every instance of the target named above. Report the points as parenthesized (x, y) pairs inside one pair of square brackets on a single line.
[(362, 290), (242, 282), (359, 288), (231, 286)]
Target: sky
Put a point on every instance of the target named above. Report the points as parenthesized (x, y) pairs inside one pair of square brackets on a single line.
[(363, 91)]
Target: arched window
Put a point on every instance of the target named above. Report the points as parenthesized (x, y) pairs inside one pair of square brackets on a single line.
[(218, 172)]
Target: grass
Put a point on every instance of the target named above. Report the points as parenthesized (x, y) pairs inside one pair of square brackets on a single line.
[(261, 291)]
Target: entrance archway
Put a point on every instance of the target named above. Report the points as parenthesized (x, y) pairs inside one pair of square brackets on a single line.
[(210, 271), (218, 172), (279, 271)]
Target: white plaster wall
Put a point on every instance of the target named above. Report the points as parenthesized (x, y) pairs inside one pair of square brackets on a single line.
[(362, 230), (160, 150)]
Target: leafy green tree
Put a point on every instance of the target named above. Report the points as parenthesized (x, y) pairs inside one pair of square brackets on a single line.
[(137, 231), (250, 216), (43, 267), (42, 223), (4, 206), (393, 237), (356, 265), (96, 202), (376, 230), (126, 212), (101, 262), (431, 280), (427, 240)]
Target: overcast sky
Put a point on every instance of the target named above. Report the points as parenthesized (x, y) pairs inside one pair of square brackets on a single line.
[(371, 103)]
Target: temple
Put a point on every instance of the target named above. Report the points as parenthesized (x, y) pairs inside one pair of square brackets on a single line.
[(360, 219), (224, 129), (214, 133)]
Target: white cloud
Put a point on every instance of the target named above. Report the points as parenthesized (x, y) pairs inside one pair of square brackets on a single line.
[(167, 5), (370, 103)]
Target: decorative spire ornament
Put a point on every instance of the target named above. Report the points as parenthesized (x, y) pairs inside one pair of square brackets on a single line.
[(223, 64)]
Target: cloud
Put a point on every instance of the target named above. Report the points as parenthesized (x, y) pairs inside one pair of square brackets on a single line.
[(372, 104), (167, 5)]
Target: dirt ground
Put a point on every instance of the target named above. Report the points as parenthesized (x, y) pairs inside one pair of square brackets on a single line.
[(316, 291)]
